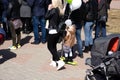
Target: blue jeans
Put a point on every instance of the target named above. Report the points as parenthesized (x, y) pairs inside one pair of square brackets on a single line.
[(78, 37), (88, 28), (100, 30), (36, 22)]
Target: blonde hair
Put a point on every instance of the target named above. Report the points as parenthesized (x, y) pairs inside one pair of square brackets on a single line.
[(59, 4)]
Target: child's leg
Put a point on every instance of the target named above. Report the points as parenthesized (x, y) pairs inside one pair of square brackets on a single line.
[(18, 35), (70, 55), (13, 33), (66, 50)]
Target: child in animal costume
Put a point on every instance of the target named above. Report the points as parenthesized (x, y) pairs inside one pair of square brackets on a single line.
[(68, 42)]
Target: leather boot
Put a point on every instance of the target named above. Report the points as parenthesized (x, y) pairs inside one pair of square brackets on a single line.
[(86, 50)]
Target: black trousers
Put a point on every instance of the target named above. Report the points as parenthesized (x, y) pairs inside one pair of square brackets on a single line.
[(52, 45)]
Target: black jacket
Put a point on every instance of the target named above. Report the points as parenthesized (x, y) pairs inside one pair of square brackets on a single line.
[(102, 9), (53, 17), (15, 10), (91, 10)]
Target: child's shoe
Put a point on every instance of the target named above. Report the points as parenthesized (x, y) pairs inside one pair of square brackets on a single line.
[(18, 46), (60, 64), (12, 47), (72, 63)]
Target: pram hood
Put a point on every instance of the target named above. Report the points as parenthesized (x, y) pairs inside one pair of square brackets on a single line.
[(100, 48)]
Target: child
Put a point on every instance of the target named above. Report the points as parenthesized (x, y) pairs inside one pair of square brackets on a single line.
[(15, 24), (68, 43)]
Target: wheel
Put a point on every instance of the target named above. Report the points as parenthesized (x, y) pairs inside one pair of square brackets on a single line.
[(87, 77)]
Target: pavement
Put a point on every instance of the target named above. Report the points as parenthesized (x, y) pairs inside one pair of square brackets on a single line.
[(31, 62)]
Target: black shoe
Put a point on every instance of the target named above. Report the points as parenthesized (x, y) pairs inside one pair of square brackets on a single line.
[(81, 55), (35, 42), (43, 42), (86, 50), (90, 47)]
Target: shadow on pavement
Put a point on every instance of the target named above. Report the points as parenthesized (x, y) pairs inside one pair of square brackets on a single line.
[(6, 54), (25, 40)]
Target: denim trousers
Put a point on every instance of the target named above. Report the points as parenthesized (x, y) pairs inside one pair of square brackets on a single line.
[(88, 28), (100, 30), (78, 37), (36, 22)]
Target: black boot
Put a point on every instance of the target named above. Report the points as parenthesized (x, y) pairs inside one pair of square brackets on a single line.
[(90, 47), (86, 50)]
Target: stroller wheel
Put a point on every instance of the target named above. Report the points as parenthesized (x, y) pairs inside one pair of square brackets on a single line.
[(87, 77)]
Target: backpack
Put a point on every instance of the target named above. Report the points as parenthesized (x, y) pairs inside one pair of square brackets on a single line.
[(100, 53)]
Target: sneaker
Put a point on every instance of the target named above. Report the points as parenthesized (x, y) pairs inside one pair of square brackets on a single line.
[(81, 55), (18, 46), (71, 62), (13, 47), (53, 63), (60, 64)]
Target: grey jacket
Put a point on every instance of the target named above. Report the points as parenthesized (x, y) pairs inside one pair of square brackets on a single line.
[(25, 10)]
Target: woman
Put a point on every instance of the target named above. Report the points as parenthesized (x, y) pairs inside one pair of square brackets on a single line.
[(53, 15)]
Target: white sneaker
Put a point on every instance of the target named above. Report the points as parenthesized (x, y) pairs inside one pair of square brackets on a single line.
[(60, 64), (53, 63)]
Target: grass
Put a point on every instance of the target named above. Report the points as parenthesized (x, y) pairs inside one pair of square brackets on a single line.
[(113, 24)]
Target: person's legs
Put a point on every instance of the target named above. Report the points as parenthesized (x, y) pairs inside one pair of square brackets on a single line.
[(103, 25), (13, 33), (97, 30), (79, 41), (18, 37), (52, 46), (88, 35), (42, 24), (35, 30)]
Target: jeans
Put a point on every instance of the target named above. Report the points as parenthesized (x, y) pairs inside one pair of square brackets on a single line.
[(36, 22), (78, 37), (100, 30), (88, 28)]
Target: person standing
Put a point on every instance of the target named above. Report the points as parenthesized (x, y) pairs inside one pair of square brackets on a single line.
[(91, 14), (15, 24), (53, 15), (5, 18), (100, 29), (25, 14), (39, 8), (77, 18)]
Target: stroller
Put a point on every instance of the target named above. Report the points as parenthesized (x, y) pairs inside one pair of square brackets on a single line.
[(105, 59)]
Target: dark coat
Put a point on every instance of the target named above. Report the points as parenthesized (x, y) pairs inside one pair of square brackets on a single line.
[(102, 9), (91, 10), (5, 4), (39, 7), (25, 9), (15, 10)]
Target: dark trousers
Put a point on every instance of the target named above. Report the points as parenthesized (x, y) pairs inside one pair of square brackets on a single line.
[(52, 46), (16, 36), (27, 24)]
